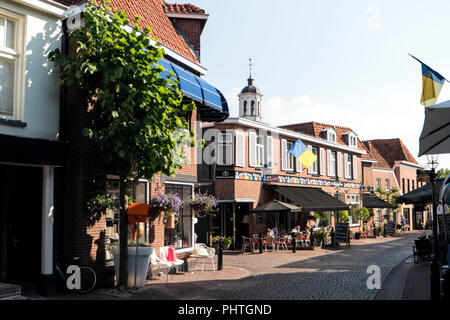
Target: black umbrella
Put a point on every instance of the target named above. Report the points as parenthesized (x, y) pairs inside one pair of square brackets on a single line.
[(275, 206), (435, 137), (421, 195)]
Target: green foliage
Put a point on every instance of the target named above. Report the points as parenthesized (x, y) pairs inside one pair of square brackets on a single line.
[(389, 196), (226, 240), (322, 217), (320, 234), (343, 216), (138, 114), (361, 214), (442, 173)]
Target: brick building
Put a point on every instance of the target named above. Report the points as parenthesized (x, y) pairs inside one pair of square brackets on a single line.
[(395, 167), (73, 168), (252, 167)]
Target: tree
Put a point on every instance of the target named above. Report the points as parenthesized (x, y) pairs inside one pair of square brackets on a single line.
[(390, 196), (136, 113), (442, 173), (343, 216), (362, 214)]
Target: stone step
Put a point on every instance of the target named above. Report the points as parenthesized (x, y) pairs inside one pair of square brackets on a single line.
[(10, 291)]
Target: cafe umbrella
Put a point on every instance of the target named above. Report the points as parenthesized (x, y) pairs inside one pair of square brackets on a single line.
[(435, 137)]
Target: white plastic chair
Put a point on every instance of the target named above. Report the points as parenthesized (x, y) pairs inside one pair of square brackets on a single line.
[(174, 264), (210, 254), (157, 262)]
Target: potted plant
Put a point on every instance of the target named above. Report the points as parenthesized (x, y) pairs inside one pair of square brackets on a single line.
[(357, 235), (203, 204), (144, 251), (226, 242), (319, 236), (379, 230), (170, 204)]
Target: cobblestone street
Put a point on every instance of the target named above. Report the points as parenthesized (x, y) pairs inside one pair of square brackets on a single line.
[(316, 275)]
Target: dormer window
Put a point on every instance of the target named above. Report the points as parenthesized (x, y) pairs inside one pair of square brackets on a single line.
[(329, 134), (351, 139)]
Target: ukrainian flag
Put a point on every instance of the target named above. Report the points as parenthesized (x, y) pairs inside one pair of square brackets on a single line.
[(299, 150), (432, 83)]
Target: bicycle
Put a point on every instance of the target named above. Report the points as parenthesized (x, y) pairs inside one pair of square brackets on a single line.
[(82, 279)]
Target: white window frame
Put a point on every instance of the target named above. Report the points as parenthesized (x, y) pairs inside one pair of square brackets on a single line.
[(332, 165), (314, 168), (259, 152), (387, 184), (16, 55), (240, 149), (227, 144), (349, 166), (353, 199), (290, 160), (269, 152)]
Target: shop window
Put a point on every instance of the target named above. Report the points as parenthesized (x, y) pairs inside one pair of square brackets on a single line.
[(181, 236), (353, 200)]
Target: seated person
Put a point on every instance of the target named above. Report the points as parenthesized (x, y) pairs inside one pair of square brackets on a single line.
[(270, 232)]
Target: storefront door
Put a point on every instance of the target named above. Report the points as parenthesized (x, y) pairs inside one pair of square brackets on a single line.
[(20, 223)]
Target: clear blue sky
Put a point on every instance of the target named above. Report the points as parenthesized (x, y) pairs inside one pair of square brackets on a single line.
[(338, 62)]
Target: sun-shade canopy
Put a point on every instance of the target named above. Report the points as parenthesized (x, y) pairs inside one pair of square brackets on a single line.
[(310, 199), (435, 137), (275, 205), (372, 201), (422, 195), (195, 88)]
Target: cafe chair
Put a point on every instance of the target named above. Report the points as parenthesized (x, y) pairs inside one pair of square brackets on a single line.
[(156, 264), (163, 252), (205, 252), (269, 242), (247, 243), (281, 242)]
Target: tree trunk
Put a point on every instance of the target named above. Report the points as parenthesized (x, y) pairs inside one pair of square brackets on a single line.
[(123, 237)]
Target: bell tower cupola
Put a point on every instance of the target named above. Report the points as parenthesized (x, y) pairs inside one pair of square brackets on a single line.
[(250, 100)]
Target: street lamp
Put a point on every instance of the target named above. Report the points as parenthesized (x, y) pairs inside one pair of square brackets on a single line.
[(435, 269)]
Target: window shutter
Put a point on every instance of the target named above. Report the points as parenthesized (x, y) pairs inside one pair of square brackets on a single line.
[(240, 149), (252, 149), (310, 167), (355, 167), (329, 163), (339, 164), (269, 152), (345, 165), (283, 154), (322, 162)]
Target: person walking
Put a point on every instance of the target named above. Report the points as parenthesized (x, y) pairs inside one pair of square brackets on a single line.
[(403, 224)]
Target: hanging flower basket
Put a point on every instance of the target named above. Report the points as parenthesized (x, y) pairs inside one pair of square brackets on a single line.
[(204, 204), (170, 221)]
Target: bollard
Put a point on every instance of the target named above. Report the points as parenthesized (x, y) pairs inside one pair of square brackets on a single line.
[(294, 243), (260, 243), (220, 256)]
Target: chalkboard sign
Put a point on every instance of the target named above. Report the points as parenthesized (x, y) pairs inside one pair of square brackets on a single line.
[(390, 229), (342, 232)]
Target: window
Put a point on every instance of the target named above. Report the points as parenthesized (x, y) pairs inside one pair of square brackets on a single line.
[(314, 169), (253, 108), (331, 136), (408, 186), (245, 107), (290, 158), (387, 184), (8, 64), (260, 150), (181, 236), (348, 166), (353, 200), (332, 163), (225, 149), (352, 141), (403, 185), (378, 182), (412, 184)]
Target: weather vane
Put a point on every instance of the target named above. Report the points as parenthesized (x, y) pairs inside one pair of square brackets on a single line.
[(250, 66)]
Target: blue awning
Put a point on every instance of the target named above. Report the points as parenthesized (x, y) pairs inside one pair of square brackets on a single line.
[(195, 88)]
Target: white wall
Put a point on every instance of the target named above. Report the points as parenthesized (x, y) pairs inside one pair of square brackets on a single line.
[(40, 96)]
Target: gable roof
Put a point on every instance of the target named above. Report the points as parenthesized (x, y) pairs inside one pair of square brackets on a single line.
[(315, 128), (390, 150), (152, 14)]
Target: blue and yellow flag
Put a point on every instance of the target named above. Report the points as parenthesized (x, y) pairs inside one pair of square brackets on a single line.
[(432, 83), (299, 150)]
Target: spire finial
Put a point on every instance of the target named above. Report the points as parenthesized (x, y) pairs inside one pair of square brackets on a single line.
[(250, 66)]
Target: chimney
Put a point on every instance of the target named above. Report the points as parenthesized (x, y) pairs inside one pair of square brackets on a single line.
[(189, 21)]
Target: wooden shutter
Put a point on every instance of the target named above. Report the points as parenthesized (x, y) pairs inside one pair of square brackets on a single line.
[(240, 149), (283, 154), (339, 164), (355, 167), (252, 148), (269, 152), (322, 162)]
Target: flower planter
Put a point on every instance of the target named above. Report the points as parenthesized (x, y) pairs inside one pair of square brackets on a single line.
[(198, 208), (143, 260), (357, 236)]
